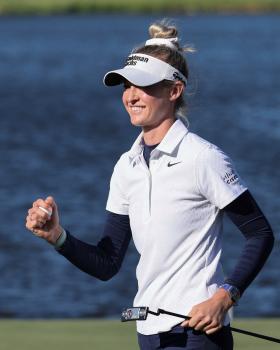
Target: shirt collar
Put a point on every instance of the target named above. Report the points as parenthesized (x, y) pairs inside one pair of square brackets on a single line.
[(170, 141)]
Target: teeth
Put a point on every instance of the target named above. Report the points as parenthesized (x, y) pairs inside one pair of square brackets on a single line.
[(136, 108)]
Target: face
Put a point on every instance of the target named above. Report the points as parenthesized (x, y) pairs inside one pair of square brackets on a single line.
[(148, 106)]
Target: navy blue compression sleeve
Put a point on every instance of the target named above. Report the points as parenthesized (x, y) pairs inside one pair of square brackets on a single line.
[(247, 216), (103, 260)]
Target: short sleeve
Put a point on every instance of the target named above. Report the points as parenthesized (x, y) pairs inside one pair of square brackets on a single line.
[(217, 178), (117, 202)]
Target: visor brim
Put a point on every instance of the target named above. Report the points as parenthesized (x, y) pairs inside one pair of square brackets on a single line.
[(134, 76)]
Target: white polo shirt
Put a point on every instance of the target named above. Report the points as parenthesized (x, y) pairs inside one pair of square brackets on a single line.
[(175, 215)]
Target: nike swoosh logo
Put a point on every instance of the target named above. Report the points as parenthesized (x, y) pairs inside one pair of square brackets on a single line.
[(171, 164)]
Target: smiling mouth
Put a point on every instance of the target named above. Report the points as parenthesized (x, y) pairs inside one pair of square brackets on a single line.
[(136, 108)]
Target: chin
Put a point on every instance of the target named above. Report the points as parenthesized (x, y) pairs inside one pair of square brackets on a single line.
[(137, 124), (136, 121)]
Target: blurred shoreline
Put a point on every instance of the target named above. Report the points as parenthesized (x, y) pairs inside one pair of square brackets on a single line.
[(47, 7)]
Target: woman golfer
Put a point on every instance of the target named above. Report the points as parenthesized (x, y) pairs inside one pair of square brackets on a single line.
[(169, 192)]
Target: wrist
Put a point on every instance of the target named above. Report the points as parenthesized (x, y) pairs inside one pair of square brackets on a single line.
[(55, 234), (223, 297), (232, 291), (61, 239)]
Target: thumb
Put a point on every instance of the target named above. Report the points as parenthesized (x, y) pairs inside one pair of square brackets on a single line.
[(50, 201)]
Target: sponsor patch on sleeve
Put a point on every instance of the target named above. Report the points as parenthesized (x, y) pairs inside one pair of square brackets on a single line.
[(230, 178)]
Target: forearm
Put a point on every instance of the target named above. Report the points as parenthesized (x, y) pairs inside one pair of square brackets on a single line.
[(246, 215), (103, 260), (253, 256)]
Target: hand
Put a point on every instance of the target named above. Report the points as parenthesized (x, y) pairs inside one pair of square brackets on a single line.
[(209, 315), (41, 223)]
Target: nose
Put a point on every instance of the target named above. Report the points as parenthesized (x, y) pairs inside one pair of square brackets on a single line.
[(132, 93)]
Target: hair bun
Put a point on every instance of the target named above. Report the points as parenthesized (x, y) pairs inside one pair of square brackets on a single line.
[(165, 30), (162, 30)]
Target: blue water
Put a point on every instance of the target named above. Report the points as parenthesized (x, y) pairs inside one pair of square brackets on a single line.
[(62, 131)]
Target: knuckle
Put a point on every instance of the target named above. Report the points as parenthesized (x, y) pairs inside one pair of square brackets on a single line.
[(191, 323), (194, 323), (32, 225), (207, 319), (195, 309), (37, 202), (36, 216), (200, 314), (32, 216)]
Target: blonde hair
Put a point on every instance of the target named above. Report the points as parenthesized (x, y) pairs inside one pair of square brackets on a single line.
[(165, 29)]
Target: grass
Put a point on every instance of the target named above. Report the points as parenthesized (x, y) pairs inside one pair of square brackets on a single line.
[(142, 6), (105, 335)]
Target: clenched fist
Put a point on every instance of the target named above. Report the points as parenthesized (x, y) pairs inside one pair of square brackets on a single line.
[(43, 220)]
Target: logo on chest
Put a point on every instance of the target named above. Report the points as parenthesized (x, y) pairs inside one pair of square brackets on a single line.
[(169, 164)]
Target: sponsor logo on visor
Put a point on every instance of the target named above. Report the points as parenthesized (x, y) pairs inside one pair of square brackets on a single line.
[(177, 76), (134, 59)]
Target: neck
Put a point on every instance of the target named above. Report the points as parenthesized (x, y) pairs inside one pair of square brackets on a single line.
[(154, 134)]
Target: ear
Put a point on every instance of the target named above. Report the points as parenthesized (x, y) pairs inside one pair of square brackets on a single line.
[(176, 90)]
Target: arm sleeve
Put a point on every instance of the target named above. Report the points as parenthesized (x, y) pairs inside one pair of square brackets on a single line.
[(247, 216), (217, 178), (104, 260)]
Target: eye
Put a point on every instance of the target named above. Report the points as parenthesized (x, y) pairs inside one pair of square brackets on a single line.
[(126, 85)]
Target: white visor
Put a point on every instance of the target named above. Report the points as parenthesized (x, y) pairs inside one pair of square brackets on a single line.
[(143, 70)]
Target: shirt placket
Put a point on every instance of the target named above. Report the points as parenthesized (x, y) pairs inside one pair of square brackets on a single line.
[(151, 176), (147, 190)]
